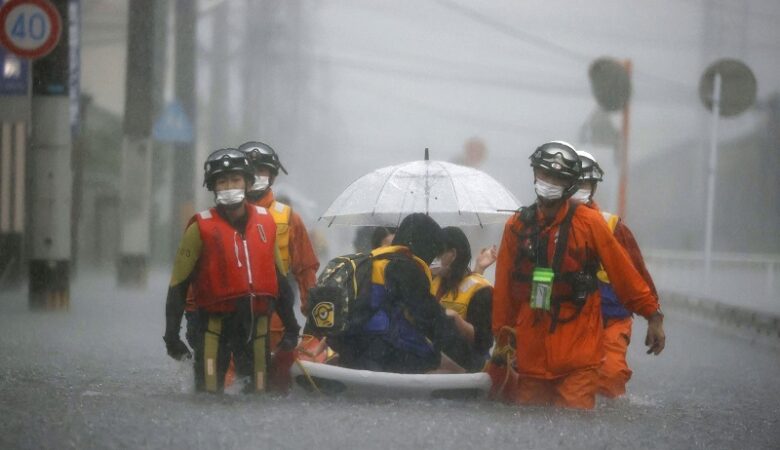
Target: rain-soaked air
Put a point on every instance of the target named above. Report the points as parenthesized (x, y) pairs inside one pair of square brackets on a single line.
[(389, 224)]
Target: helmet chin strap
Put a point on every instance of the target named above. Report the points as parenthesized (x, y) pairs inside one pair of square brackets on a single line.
[(257, 195), (548, 203)]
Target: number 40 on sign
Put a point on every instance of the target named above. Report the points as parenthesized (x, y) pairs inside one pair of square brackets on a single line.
[(29, 28)]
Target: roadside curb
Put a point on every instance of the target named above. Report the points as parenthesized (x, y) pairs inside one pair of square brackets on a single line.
[(746, 321)]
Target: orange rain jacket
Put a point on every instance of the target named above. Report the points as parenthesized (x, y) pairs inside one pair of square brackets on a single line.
[(576, 344), (303, 260)]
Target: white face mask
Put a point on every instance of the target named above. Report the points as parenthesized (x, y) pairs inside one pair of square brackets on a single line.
[(435, 264), (261, 184), (230, 197), (548, 191), (581, 196)]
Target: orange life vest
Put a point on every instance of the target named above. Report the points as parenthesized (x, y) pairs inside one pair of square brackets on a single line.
[(232, 266)]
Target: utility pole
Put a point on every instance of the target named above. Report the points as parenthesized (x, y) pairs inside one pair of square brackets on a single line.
[(136, 183), (218, 68), (14, 130), (624, 133), (51, 175), (184, 153), (256, 35)]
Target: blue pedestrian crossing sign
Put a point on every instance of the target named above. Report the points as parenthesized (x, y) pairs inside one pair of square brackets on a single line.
[(173, 125)]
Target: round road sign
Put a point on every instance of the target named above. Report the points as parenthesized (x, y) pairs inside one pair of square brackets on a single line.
[(29, 28), (738, 86), (610, 83)]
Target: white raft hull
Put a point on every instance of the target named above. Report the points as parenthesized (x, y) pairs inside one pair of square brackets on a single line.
[(336, 380)]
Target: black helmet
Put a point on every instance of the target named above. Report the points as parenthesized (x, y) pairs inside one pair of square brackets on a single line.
[(591, 171), (559, 158), (226, 160), (422, 235), (261, 154)]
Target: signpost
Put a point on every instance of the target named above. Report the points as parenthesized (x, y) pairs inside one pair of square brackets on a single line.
[(610, 82), (33, 30), (727, 88)]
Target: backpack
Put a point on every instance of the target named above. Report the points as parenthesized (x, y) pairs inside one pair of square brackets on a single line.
[(341, 300)]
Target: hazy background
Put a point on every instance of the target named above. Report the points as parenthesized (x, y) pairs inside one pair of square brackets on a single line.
[(340, 88)]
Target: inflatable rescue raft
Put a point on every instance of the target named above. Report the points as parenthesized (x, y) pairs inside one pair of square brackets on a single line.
[(334, 380)]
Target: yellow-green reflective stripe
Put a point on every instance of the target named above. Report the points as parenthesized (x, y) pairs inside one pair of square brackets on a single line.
[(210, 352), (259, 351)]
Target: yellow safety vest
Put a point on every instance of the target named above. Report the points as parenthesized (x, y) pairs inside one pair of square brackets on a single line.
[(612, 220), (460, 300), (281, 214), (379, 265)]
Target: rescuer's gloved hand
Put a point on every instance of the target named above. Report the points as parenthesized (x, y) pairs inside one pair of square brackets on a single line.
[(176, 348), (289, 342), (656, 338)]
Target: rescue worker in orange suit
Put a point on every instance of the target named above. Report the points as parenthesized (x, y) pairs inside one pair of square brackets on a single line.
[(546, 288), (614, 372), (466, 295), (228, 255), (297, 253)]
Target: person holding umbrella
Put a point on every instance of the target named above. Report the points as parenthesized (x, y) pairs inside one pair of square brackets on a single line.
[(546, 289)]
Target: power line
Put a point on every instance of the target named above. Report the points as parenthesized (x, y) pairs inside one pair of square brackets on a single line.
[(538, 42), (743, 7), (450, 114), (387, 69), (391, 70), (528, 38)]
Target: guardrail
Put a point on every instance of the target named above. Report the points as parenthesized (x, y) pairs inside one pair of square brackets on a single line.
[(745, 281)]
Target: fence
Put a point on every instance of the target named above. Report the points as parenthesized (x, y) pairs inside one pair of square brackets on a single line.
[(745, 281)]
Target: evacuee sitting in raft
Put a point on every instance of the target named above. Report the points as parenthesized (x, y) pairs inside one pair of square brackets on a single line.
[(407, 329), (466, 295)]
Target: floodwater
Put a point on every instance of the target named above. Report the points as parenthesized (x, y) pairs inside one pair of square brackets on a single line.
[(98, 376)]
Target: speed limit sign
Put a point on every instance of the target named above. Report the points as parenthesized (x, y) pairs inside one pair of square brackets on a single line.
[(29, 28)]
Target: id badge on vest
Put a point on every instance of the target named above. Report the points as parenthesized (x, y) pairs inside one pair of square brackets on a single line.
[(541, 288)]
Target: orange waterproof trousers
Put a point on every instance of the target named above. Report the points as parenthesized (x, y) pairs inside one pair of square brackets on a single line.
[(614, 372), (576, 390)]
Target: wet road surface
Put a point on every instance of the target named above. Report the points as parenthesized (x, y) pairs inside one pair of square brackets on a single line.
[(97, 376)]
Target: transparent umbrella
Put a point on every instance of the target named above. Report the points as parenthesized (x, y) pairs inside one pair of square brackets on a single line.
[(451, 194)]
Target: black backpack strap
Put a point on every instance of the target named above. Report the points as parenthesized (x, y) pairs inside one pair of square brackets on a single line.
[(541, 251), (530, 232), (563, 238), (560, 249)]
